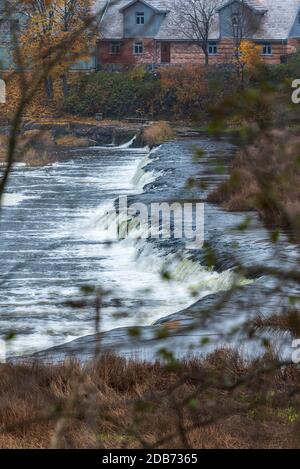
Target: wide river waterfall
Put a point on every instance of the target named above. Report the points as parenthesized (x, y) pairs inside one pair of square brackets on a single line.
[(55, 242)]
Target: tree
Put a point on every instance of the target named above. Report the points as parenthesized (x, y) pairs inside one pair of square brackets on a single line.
[(247, 58), (243, 22), (195, 18), (49, 23)]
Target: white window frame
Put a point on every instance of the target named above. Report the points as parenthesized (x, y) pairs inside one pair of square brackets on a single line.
[(138, 47), (115, 44), (267, 50), (140, 18), (213, 48)]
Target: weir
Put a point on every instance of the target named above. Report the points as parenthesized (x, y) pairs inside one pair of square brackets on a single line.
[(67, 246)]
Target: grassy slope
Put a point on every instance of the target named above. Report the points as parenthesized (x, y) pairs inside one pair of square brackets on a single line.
[(116, 404)]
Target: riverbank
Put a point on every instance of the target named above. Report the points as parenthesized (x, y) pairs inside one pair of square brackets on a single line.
[(221, 401), (265, 177), (49, 140)]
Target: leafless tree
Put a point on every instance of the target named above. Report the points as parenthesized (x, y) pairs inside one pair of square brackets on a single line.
[(195, 19)]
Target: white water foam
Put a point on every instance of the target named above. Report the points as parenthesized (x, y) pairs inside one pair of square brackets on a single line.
[(63, 245), (140, 265), (123, 146), (13, 199), (142, 177)]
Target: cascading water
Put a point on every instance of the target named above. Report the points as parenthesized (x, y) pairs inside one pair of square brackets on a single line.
[(58, 233), (143, 262), (124, 146)]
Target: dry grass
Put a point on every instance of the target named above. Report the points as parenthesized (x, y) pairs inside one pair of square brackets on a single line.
[(3, 143), (71, 119), (280, 323), (157, 133), (266, 177), (34, 148), (36, 157), (37, 138), (73, 141), (38, 147), (115, 403)]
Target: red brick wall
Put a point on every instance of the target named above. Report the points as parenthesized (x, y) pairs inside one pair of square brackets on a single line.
[(292, 45), (189, 53), (186, 53), (127, 56), (278, 51), (182, 52)]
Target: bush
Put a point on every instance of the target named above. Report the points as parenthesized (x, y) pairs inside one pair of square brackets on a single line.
[(157, 133), (114, 94), (266, 177), (184, 92)]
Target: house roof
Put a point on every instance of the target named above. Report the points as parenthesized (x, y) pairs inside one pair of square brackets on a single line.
[(256, 5), (156, 5), (278, 17)]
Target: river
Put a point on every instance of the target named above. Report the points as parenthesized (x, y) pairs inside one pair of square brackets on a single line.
[(56, 242)]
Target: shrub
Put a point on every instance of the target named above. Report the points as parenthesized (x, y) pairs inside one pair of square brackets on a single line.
[(114, 94), (266, 177), (157, 133), (172, 91)]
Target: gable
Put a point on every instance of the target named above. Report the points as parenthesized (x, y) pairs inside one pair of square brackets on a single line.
[(154, 5), (295, 31), (152, 19), (257, 6), (252, 18)]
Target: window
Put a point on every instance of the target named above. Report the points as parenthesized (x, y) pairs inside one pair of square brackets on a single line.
[(267, 49), (235, 20), (212, 48), (16, 24), (299, 18), (115, 48), (140, 18), (138, 48)]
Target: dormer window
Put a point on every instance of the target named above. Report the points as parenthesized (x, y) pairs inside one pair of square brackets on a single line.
[(235, 20), (140, 18)]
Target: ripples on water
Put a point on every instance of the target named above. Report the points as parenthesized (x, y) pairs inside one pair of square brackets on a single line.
[(54, 240)]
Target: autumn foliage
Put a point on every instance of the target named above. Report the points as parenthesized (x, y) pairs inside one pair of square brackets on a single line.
[(50, 34), (187, 85), (49, 25), (247, 58)]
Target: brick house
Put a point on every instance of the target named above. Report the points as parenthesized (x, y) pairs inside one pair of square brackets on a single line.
[(145, 32)]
